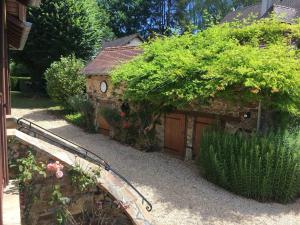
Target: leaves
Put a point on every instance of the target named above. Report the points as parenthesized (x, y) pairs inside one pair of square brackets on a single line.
[(82, 179), (61, 28), (226, 61), (64, 79), (29, 168), (264, 168)]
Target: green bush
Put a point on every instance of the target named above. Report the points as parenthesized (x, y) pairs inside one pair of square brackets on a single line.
[(64, 79), (264, 168), (76, 119), (81, 104), (112, 116)]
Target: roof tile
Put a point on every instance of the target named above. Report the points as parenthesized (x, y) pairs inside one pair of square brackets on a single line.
[(109, 58)]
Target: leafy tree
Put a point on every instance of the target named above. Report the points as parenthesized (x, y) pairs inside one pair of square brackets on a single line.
[(128, 17), (64, 79), (61, 28), (237, 62)]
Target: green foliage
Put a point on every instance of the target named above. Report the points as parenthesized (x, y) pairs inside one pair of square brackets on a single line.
[(16, 83), (17, 69), (133, 127), (111, 115), (225, 61), (83, 180), (21, 101), (127, 17), (28, 168), (80, 103), (264, 168), (76, 119), (62, 28), (63, 216), (64, 79), (167, 16)]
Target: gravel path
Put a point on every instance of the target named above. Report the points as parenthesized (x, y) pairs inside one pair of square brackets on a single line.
[(178, 194)]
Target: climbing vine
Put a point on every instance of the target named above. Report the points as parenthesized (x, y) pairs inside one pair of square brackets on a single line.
[(240, 62), (30, 171), (83, 179)]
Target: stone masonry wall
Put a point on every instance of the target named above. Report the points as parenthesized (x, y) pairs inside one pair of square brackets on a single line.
[(232, 115), (109, 99), (36, 196)]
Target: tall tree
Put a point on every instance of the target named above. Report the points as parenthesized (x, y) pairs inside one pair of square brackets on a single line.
[(61, 28), (128, 17)]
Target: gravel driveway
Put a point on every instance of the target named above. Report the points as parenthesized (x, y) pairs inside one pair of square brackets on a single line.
[(178, 194)]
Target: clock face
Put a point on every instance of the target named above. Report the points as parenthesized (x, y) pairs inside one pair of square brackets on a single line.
[(103, 86)]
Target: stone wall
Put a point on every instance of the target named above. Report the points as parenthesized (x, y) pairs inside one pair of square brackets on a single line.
[(36, 204), (231, 114), (109, 198), (109, 99)]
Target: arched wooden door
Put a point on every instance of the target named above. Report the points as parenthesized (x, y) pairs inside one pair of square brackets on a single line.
[(175, 132), (200, 124)]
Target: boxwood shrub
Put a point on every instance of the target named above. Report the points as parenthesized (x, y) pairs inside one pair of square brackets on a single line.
[(265, 168)]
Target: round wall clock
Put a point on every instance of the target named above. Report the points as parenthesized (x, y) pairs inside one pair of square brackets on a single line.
[(103, 86)]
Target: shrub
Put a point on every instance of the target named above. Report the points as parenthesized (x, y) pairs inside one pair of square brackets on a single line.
[(112, 116), (76, 119), (61, 28), (264, 168), (81, 104), (64, 79), (127, 128)]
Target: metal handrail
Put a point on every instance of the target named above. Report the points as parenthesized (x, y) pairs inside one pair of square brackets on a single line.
[(28, 125)]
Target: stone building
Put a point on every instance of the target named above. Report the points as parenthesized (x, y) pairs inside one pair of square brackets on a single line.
[(286, 10), (178, 132), (99, 88)]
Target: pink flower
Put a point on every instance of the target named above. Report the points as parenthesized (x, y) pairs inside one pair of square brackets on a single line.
[(59, 174), (58, 165), (54, 167), (122, 114), (51, 167)]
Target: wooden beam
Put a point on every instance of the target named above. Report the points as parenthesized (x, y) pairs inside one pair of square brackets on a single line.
[(17, 32)]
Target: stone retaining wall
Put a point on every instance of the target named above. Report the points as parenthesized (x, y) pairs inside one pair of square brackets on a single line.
[(110, 198)]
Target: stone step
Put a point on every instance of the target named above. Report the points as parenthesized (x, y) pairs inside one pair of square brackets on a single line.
[(11, 204)]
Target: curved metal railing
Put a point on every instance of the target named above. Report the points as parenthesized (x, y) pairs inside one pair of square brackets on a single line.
[(77, 149)]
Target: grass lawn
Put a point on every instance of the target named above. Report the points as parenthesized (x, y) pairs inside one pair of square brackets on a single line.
[(20, 101)]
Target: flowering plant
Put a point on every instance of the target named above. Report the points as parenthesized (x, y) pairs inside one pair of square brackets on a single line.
[(56, 168)]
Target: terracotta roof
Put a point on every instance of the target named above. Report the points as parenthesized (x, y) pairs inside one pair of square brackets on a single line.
[(121, 41), (109, 58), (287, 9)]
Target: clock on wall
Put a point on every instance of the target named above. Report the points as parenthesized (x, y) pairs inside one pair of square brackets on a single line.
[(103, 86)]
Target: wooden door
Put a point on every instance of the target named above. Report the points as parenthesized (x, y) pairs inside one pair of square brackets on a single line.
[(175, 129), (103, 126), (200, 124)]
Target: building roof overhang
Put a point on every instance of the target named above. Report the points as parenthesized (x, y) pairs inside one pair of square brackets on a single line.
[(17, 26), (33, 3)]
